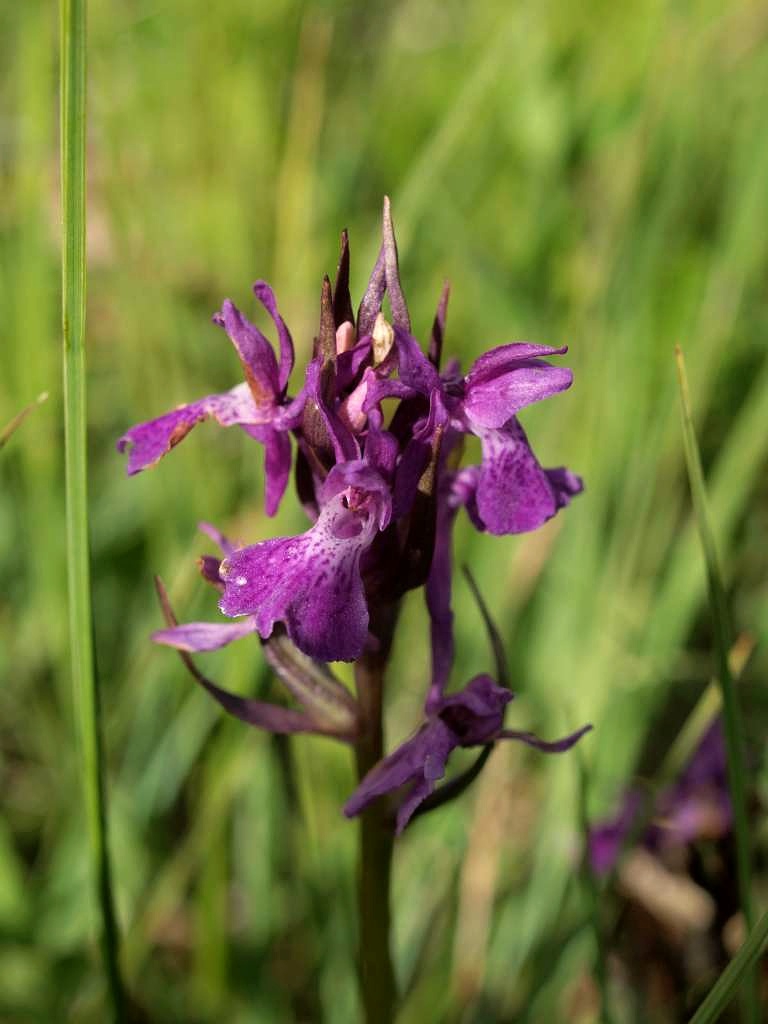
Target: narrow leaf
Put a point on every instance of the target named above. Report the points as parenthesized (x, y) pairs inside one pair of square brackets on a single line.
[(83, 667), (726, 985), (734, 735), (18, 419)]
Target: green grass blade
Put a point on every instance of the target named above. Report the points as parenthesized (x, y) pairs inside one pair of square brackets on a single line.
[(73, 52), (724, 988), (734, 735), (10, 428)]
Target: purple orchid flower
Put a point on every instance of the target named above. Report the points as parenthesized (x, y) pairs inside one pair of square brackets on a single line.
[(472, 717), (259, 405), (382, 490)]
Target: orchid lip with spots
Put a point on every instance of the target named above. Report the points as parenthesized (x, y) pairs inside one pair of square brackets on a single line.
[(382, 491)]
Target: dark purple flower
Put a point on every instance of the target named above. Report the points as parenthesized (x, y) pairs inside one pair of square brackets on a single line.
[(259, 405), (472, 717)]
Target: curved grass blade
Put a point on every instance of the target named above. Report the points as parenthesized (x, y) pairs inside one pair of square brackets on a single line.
[(18, 419), (734, 734), (86, 698), (725, 987)]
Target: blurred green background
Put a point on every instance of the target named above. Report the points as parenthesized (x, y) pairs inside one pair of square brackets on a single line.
[(583, 173)]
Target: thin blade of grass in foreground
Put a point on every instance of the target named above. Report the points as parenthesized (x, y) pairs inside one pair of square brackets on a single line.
[(73, 50), (734, 735), (18, 419), (725, 987)]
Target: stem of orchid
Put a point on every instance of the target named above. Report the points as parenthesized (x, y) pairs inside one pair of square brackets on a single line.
[(377, 975), (73, 53)]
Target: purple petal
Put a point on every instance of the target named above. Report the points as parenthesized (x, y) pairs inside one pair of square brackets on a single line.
[(217, 537), (369, 487), (259, 713), (504, 358), (504, 381), (553, 747), (381, 451), (441, 743), (209, 569), (438, 597), (419, 449), (514, 494), (277, 469), (414, 367), (277, 462), (204, 636), (565, 485), (311, 583), (150, 441), (255, 354), (379, 388), (421, 759), (349, 364), (475, 714), (266, 297)]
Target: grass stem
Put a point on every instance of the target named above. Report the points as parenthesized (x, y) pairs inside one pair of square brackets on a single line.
[(743, 962), (73, 124), (734, 733)]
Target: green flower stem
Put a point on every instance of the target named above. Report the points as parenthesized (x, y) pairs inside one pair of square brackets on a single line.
[(377, 975), (734, 733), (73, 50)]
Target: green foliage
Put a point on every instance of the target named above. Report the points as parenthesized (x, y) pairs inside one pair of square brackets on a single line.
[(586, 174)]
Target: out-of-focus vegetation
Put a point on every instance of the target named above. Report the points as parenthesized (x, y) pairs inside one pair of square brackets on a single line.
[(590, 174)]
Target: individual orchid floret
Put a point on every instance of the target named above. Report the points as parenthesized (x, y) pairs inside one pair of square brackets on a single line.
[(512, 493), (472, 717), (259, 406), (312, 583)]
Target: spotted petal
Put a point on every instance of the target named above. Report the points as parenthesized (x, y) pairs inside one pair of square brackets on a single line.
[(312, 583), (514, 494)]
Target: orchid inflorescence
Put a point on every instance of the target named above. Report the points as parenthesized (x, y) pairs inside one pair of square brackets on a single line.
[(382, 495)]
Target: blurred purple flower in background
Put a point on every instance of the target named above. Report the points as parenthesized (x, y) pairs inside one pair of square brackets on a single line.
[(696, 806)]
